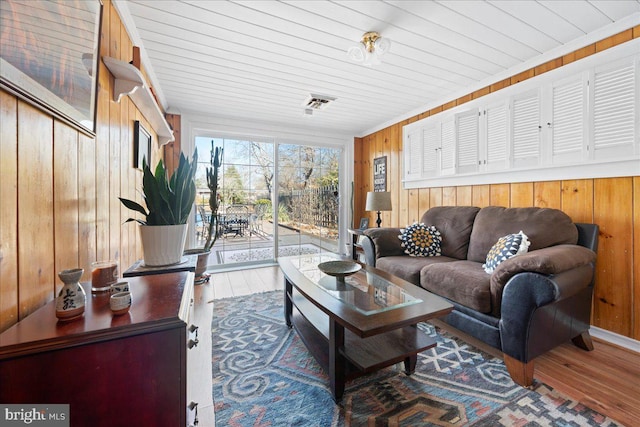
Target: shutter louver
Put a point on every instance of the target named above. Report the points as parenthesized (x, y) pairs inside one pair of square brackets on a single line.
[(568, 124), (614, 109), (448, 143), (430, 154), (526, 131), (497, 135), (414, 154), (467, 143)]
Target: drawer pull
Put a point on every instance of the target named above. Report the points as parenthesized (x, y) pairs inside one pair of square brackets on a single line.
[(193, 328), (193, 343), (194, 406)]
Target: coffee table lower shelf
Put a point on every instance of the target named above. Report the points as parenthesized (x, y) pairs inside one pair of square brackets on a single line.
[(358, 356)]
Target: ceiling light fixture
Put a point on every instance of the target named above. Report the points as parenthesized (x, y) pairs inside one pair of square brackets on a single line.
[(370, 49)]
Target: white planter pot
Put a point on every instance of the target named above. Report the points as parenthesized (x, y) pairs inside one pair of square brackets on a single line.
[(163, 244)]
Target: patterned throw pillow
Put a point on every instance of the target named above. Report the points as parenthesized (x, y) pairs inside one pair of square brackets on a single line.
[(506, 247), (420, 240)]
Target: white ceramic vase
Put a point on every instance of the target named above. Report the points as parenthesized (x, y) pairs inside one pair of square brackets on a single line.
[(162, 244), (71, 299)]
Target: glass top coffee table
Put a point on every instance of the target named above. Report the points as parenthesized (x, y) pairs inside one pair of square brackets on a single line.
[(360, 324)]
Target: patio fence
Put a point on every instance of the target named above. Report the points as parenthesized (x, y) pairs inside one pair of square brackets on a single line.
[(313, 206)]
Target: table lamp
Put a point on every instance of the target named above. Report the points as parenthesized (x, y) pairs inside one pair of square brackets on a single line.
[(378, 201)]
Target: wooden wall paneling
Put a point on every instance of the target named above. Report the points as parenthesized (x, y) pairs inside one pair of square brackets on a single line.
[(521, 194), (380, 138), (546, 194), (464, 195), (403, 211), (613, 209), (172, 153), (104, 30), (424, 201), (394, 163), (102, 171), (435, 196), (367, 155), (401, 208), (114, 25), (414, 207), (500, 195), (126, 178), (481, 195), (114, 178), (635, 312), (449, 196), (87, 238), (137, 186), (35, 209), (8, 210), (614, 40), (577, 199), (127, 171), (65, 199)]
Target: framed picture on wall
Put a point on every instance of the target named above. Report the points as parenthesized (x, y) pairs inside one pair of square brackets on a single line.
[(141, 145), (49, 56)]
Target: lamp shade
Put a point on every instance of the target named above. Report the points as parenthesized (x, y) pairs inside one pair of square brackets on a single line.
[(378, 201)]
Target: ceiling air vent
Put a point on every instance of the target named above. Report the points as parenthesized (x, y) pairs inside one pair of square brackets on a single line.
[(317, 102)]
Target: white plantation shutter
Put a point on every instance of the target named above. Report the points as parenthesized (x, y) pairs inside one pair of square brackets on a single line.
[(413, 155), (448, 144), (497, 136), (526, 130), (467, 141), (430, 153), (614, 111), (569, 105)]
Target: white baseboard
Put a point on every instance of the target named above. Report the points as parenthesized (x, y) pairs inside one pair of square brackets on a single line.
[(613, 338)]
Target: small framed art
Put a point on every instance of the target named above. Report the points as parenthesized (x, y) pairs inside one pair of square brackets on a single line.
[(141, 145), (364, 223)]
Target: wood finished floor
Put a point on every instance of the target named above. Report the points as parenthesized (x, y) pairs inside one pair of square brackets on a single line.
[(606, 379)]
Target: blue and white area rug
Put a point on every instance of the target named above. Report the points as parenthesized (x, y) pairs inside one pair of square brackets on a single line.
[(264, 376)]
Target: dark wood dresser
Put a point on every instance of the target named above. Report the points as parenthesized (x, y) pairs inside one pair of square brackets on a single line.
[(126, 370)]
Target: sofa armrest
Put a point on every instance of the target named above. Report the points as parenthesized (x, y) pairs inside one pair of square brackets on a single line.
[(550, 261), (381, 242), (530, 297)]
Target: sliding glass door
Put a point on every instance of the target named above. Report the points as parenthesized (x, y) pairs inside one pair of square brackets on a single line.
[(307, 199), (273, 198)]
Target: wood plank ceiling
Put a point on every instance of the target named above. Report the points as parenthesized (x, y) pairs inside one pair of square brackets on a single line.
[(259, 60)]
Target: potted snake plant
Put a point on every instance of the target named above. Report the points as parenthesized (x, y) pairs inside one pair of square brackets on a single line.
[(169, 201), (213, 226)]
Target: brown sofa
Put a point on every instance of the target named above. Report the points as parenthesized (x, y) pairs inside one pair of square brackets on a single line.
[(530, 304)]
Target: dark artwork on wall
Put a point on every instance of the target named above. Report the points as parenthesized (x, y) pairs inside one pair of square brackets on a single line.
[(49, 55), (380, 174), (141, 145)]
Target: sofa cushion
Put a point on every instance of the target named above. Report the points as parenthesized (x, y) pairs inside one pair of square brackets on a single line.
[(408, 268), (506, 247), (544, 227), (420, 240), (454, 224), (464, 282)]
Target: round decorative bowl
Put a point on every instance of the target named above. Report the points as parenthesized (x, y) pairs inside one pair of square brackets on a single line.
[(339, 269)]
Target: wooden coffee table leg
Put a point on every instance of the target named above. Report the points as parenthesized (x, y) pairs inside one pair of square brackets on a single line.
[(410, 364), (288, 305), (336, 360)]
